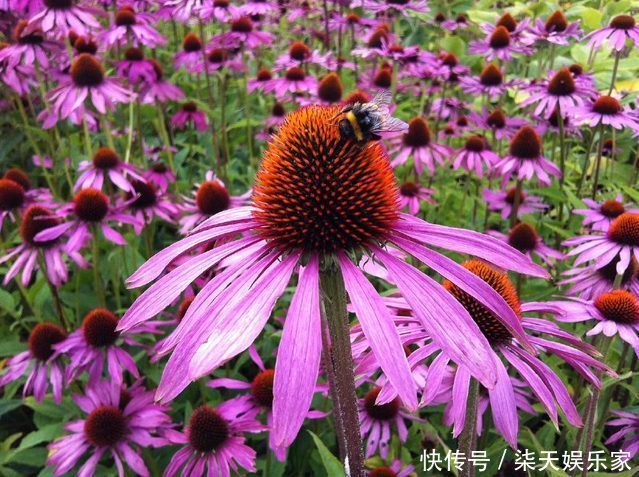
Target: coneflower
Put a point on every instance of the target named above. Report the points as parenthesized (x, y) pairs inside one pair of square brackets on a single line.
[(319, 203)]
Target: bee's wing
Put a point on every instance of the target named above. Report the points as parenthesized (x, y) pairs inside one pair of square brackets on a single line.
[(392, 127), (383, 100)]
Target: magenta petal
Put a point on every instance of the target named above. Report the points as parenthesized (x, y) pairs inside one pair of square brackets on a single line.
[(379, 329), (470, 242), (243, 318), (471, 284), (448, 322), (503, 405), (298, 357)]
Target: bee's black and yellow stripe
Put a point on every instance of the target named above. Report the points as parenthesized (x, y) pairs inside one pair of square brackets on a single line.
[(355, 125)]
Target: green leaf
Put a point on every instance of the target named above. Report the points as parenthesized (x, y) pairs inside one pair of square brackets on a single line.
[(332, 465), (46, 434), (591, 18), (454, 44), (6, 301), (9, 405)]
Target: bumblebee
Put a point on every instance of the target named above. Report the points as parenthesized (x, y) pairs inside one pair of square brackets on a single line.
[(370, 121)]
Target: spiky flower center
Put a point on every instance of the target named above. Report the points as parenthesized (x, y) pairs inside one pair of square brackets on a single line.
[(11, 195), (612, 208), (87, 71), (409, 189), (98, 328), (556, 22), (377, 39), (207, 430), (523, 237), (576, 70), (318, 191), (189, 107), (35, 220), (491, 76), (295, 74), (619, 306), (500, 38), (606, 105), (105, 426), (496, 119), (357, 97), (218, 55), (91, 205), (125, 17), (59, 4), (85, 45), (105, 158), (562, 83), (330, 88), (146, 195), (507, 21), (623, 22), (418, 134), (383, 78), (510, 195), (278, 110), (184, 307), (27, 37), (494, 331), (264, 75), (450, 60), (221, 3), (242, 25), (397, 2), (18, 176), (298, 51), (625, 229), (382, 472), (526, 144), (475, 143), (42, 339), (262, 387), (191, 43), (212, 197), (381, 412), (134, 54)]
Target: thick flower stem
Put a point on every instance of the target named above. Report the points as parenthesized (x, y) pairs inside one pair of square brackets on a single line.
[(595, 182), (97, 279), (468, 437), (516, 203), (340, 367), (614, 72)]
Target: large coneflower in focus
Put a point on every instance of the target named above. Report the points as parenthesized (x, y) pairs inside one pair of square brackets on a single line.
[(320, 202)]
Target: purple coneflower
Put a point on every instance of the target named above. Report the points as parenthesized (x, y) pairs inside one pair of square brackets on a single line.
[(556, 29), (589, 282), (158, 89), (105, 163), (35, 220), (418, 143), (135, 67), (490, 82), (286, 229), (46, 368), (160, 175), (525, 238), (214, 442), (183, 10), (497, 45), (262, 81), (147, 201), (411, 194), (92, 210), (132, 27), (376, 421), (560, 92), (524, 159), (401, 6), (460, 21), (605, 110), (598, 217), (189, 113), (616, 311), (243, 34), (220, 58), (299, 54), (87, 79), (620, 29), (222, 10), (545, 336), (119, 422), (190, 57), (17, 194), (64, 16), (500, 124), (210, 198), (628, 434), (621, 239), (502, 201), (30, 46), (295, 80), (475, 155)]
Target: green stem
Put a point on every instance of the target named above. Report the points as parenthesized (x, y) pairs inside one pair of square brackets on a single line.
[(97, 279), (614, 72), (340, 360), (595, 182), (468, 435)]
